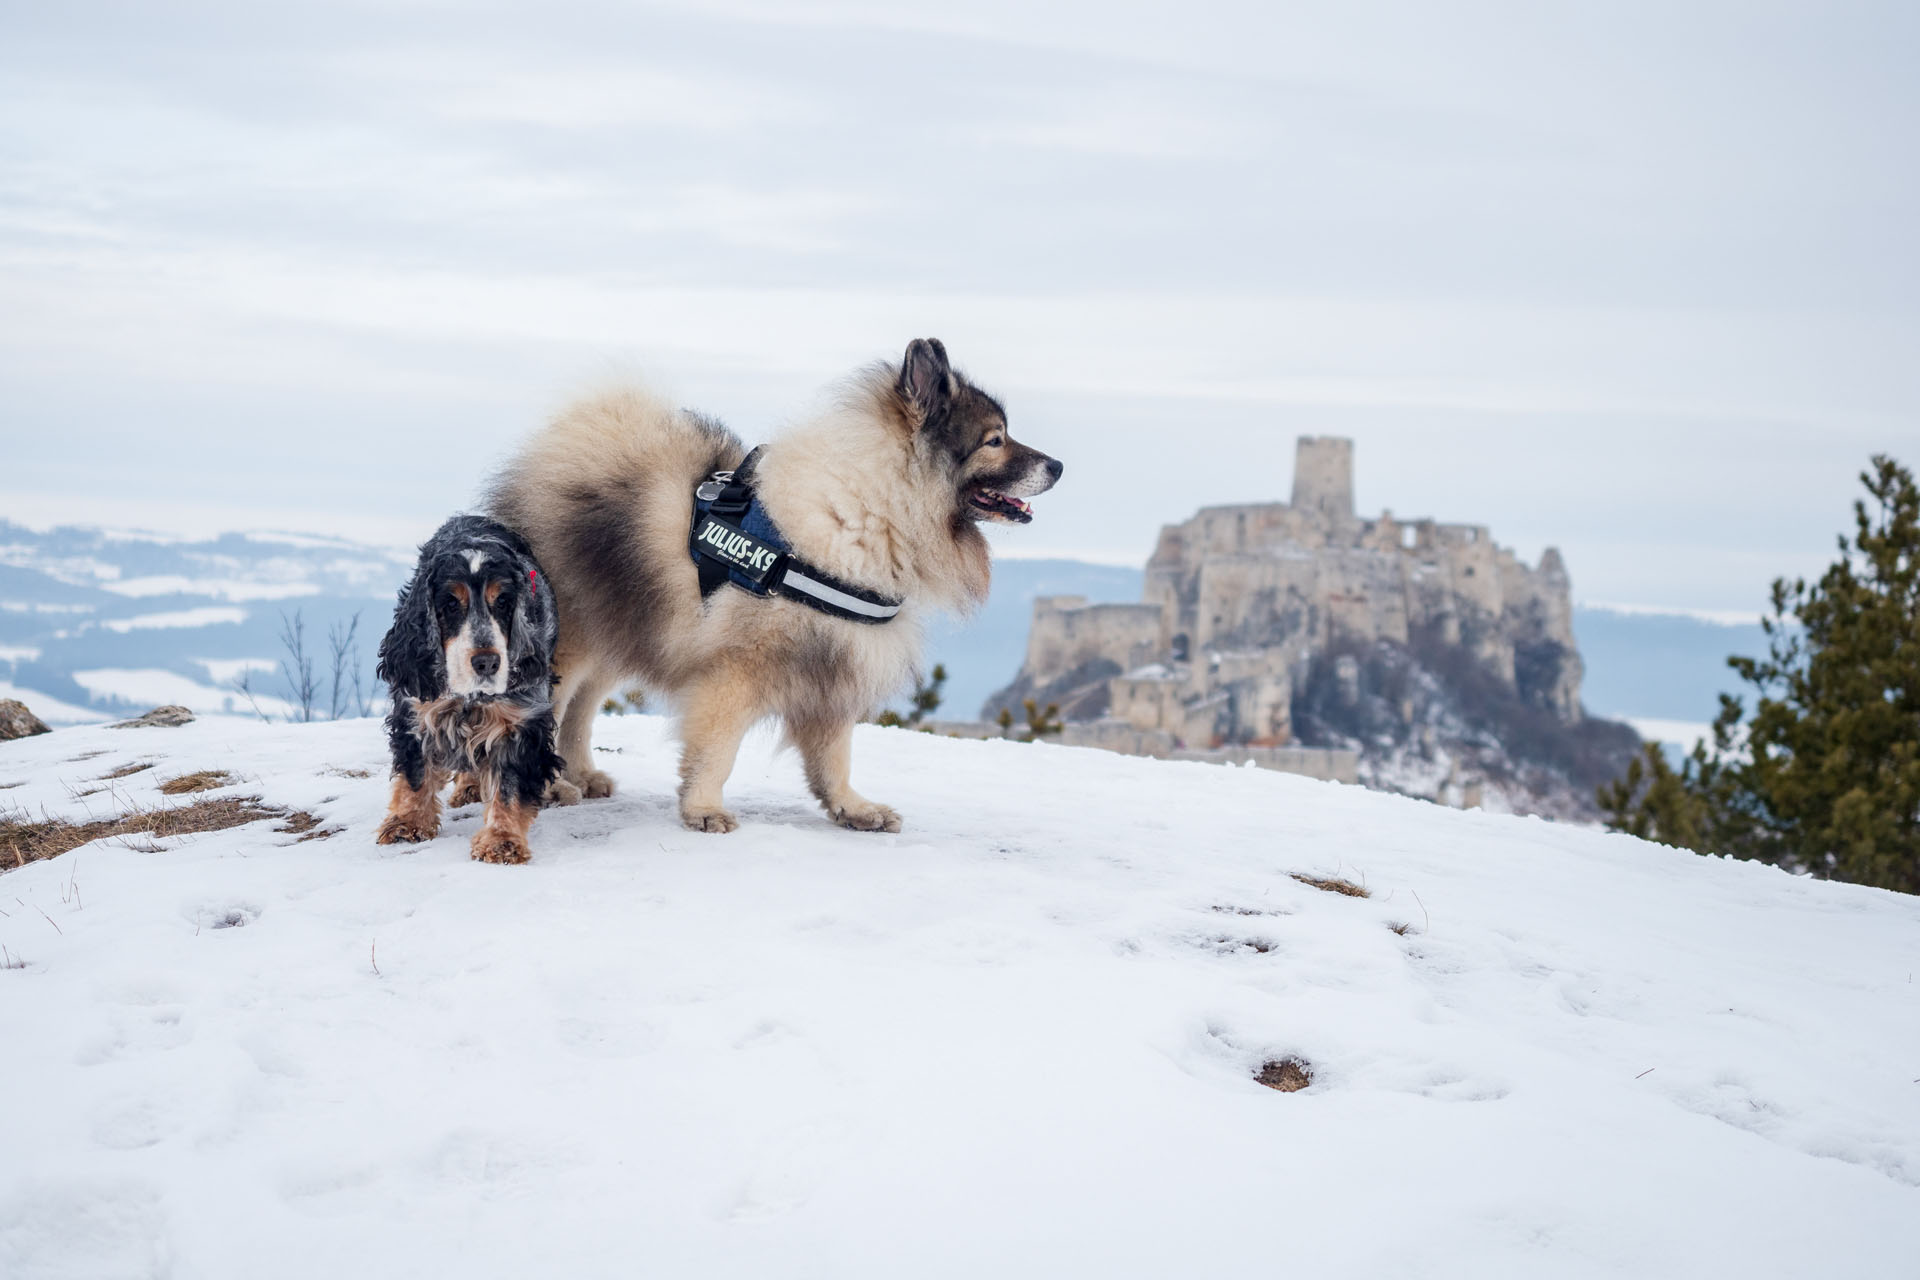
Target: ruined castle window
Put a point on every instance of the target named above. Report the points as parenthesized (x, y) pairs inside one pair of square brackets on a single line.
[(1180, 647), (1409, 538), (1469, 571)]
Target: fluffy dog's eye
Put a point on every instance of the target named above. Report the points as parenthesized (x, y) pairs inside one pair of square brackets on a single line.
[(994, 442)]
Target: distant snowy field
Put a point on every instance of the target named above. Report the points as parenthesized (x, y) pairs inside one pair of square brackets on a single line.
[(1017, 1039)]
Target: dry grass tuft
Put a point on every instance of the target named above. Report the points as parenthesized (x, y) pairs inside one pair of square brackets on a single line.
[(1400, 927), (303, 824), (188, 783), (1333, 884), (348, 773), (125, 771), (1288, 1075), (23, 841)]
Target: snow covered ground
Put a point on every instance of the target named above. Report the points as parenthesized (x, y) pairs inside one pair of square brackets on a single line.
[(1016, 1039)]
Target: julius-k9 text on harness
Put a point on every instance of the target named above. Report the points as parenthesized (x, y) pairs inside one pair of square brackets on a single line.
[(734, 542)]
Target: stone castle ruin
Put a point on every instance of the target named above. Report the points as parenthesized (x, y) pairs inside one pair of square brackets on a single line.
[(1273, 627)]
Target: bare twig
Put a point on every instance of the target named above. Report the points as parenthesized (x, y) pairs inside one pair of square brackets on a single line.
[(49, 919), (243, 685), (359, 685), (343, 657), (1648, 1071), (1423, 912), (373, 957), (296, 667)]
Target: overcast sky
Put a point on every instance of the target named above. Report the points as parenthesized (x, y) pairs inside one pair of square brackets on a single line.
[(1639, 280)]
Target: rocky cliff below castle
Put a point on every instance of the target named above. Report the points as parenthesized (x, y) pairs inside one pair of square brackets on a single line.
[(1444, 663)]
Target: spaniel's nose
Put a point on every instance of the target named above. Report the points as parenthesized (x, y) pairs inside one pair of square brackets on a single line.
[(486, 665)]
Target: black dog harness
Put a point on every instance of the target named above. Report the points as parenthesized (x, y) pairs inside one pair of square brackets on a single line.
[(734, 541)]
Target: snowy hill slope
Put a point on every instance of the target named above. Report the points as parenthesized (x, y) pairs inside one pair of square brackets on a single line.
[(1017, 1039)]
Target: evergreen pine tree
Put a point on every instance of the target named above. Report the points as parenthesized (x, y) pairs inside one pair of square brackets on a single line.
[(926, 700), (1825, 775)]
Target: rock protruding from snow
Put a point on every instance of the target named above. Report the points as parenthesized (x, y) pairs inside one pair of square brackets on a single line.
[(169, 717), (18, 722)]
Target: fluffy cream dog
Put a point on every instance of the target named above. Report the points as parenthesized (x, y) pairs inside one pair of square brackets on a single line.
[(884, 493)]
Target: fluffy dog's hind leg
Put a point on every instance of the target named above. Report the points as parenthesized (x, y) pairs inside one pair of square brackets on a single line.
[(582, 690), (717, 715), (826, 749), (466, 791)]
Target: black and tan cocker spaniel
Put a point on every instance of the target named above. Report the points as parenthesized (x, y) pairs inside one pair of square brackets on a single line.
[(469, 665)]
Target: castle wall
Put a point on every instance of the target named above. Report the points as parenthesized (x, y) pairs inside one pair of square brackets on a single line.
[(1068, 633), (1148, 701)]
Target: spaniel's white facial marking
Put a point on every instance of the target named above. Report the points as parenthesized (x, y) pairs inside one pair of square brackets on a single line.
[(476, 638)]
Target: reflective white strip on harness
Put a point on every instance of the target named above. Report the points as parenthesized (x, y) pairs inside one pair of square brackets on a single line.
[(838, 599)]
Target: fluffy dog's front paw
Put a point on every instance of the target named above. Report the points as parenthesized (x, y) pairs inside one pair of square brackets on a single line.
[(561, 792), (716, 820), (499, 846), (466, 790), (594, 784), (399, 830), (865, 816)]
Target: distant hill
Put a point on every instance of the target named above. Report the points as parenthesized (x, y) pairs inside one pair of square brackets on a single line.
[(1648, 666), (96, 622)]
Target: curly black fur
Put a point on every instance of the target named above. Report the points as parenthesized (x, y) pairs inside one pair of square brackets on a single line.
[(424, 729)]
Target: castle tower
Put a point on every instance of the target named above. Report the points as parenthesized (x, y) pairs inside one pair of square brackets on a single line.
[(1323, 477)]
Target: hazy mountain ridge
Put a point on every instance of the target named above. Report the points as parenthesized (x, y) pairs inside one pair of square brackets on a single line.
[(86, 600), (108, 620)]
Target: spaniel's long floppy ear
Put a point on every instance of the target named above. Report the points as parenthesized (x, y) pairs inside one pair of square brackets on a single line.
[(927, 385), (411, 656), (530, 638)]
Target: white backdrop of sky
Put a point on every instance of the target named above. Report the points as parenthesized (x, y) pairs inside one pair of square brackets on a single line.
[(1639, 280)]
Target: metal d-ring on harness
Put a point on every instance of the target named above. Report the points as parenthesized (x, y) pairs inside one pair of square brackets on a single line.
[(733, 541)]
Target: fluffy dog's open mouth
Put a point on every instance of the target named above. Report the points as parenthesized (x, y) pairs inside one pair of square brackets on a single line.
[(991, 504)]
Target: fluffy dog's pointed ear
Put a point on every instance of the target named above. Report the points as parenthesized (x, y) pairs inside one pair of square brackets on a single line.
[(410, 654), (927, 385)]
